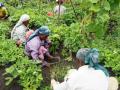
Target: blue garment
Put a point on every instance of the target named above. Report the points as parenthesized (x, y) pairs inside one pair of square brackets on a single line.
[(44, 30), (1, 4), (90, 57)]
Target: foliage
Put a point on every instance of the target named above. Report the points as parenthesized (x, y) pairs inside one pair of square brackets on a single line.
[(69, 18), (57, 36), (69, 32), (109, 54), (62, 67), (114, 25), (75, 38), (4, 29), (9, 52), (28, 72), (35, 21)]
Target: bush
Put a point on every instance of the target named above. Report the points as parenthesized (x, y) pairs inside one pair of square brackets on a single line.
[(109, 54), (4, 29), (19, 66), (36, 19)]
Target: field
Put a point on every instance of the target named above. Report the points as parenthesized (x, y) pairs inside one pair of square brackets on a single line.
[(86, 24)]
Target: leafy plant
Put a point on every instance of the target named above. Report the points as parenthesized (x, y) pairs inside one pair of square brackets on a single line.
[(9, 52), (4, 29), (28, 72), (19, 66), (69, 32)]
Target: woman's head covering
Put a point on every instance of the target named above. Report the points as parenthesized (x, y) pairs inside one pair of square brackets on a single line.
[(90, 57), (1, 4), (44, 30), (22, 19)]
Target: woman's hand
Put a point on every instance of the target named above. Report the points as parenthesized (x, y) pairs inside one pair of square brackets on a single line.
[(53, 82), (19, 42), (44, 63)]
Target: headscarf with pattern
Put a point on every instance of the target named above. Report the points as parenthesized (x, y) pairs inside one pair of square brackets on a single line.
[(90, 57), (44, 30)]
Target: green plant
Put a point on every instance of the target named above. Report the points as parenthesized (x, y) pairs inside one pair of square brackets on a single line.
[(59, 70), (4, 29), (75, 38), (9, 52), (109, 54), (36, 19), (27, 71), (57, 36), (69, 32), (19, 66)]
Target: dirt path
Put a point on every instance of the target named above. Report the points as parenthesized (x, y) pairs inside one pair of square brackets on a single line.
[(13, 86), (2, 80)]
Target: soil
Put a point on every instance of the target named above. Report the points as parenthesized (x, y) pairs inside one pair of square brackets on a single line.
[(12, 86), (46, 73)]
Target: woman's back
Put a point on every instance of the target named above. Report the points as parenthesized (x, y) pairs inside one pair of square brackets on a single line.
[(19, 33), (88, 79)]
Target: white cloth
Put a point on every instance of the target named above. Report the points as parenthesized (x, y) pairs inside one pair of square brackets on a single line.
[(62, 9), (19, 30), (19, 33), (84, 78), (113, 84)]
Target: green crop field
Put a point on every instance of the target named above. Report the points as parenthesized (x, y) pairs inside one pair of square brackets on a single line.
[(86, 24)]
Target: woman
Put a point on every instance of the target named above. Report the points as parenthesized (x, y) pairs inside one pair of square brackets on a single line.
[(35, 46), (89, 76), (19, 31), (3, 11), (59, 9)]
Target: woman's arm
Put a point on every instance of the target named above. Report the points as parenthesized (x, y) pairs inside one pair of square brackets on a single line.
[(59, 86), (69, 81)]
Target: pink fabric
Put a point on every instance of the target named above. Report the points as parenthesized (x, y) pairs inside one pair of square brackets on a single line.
[(32, 47), (35, 49), (42, 51), (28, 34)]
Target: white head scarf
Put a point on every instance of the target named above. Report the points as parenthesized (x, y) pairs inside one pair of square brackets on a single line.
[(22, 19)]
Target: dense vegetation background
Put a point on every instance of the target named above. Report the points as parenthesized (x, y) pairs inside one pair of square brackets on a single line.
[(86, 24)]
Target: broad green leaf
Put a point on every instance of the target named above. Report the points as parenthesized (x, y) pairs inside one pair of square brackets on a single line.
[(106, 5), (95, 8), (9, 80), (115, 4), (10, 69), (104, 17)]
